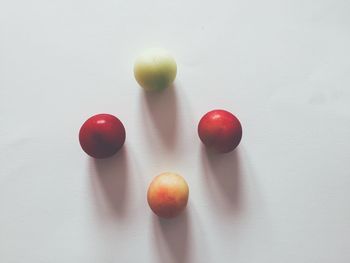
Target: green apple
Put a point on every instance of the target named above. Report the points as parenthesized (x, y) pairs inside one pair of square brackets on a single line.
[(155, 69)]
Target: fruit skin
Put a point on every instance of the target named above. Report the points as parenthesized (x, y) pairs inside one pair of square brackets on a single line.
[(102, 135), (155, 70), (220, 130), (167, 195)]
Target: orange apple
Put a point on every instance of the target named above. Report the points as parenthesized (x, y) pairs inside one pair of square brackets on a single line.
[(167, 195)]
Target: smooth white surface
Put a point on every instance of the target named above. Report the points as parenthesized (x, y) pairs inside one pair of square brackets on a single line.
[(283, 67)]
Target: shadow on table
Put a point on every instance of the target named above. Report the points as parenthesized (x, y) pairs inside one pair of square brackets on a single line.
[(109, 179), (173, 238), (223, 176), (160, 115)]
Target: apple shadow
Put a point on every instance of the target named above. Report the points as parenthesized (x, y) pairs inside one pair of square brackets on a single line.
[(109, 181), (172, 238), (160, 114), (223, 176)]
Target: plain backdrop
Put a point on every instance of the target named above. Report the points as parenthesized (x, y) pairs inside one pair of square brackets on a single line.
[(281, 66)]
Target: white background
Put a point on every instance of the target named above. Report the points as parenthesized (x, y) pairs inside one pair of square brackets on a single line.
[(283, 67)]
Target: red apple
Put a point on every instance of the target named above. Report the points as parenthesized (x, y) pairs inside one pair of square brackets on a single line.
[(220, 130), (102, 135), (167, 195)]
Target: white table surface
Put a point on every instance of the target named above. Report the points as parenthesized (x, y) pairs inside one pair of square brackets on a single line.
[(283, 67)]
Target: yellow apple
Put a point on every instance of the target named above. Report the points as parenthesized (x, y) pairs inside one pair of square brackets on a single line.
[(167, 195)]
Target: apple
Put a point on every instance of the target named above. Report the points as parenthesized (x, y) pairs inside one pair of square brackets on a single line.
[(167, 195), (220, 130), (102, 135), (155, 70)]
